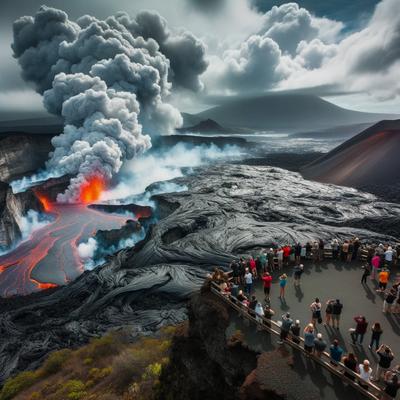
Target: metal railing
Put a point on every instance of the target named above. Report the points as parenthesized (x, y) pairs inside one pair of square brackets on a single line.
[(337, 368)]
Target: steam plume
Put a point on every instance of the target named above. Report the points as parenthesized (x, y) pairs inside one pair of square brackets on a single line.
[(109, 80)]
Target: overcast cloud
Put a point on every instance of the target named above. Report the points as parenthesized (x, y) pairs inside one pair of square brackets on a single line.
[(248, 46)]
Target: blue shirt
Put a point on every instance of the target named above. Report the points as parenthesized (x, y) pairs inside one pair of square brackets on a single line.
[(336, 353), (309, 339)]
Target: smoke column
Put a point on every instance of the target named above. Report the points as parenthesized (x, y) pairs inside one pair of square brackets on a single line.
[(109, 80)]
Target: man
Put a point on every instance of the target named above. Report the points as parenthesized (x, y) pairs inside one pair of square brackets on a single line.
[(248, 277), (386, 357), (383, 279), (336, 312), (336, 352), (319, 345), (388, 257), (298, 270), (366, 273), (360, 330), (252, 305), (297, 253), (286, 323), (389, 300), (267, 280)]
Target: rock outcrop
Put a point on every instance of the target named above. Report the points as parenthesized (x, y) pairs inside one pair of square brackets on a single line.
[(12, 209), (22, 154)]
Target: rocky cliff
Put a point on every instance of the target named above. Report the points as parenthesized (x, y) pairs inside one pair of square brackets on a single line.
[(12, 209), (22, 154)]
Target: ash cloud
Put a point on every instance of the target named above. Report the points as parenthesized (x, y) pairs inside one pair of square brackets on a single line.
[(110, 80)]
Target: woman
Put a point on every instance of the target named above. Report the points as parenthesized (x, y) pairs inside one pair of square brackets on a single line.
[(259, 312), (316, 312), (345, 250), (376, 335), (350, 251), (282, 285), (376, 263), (328, 312), (392, 386), (309, 338), (350, 361), (365, 372)]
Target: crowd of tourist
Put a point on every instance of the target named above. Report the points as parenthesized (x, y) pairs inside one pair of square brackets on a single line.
[(378, 260)]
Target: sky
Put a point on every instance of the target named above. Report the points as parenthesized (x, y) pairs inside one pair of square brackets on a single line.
[(347, 52)]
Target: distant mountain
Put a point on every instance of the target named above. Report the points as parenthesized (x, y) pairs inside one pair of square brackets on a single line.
[(369, 159), (44, 125), (284, 112), (336, 132), (206, 126)]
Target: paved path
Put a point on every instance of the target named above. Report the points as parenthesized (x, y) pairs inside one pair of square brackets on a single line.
[(331, 280)]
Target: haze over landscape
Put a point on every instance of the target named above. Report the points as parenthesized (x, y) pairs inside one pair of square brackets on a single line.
[(148, 148)]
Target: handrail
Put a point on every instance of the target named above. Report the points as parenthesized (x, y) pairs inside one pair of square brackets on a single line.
[(325, 359)]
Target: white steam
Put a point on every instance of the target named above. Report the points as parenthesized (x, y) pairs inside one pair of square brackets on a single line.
[(31, 222), (86, 250), (142, 171), (109, 80)]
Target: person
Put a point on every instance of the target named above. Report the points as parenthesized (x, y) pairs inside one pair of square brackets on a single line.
[(388, 257), (335, 249), (295, 332), (242, 298), (298, 270), (316, 311), (350, 361), (253, 267), (356, 246), (336, 352), (286, 254), (328, 312), (309, 338), (375, 335), (267, 280), (235, 271), (350, 251), (365, 372), (383, 279), (259, 312), (268, 314), (321, 246), (297, 253), (286, 323), (315, 251), (248, 276), (366, 273), (242, 270), (263, 261), (376, 263), (336, 312), (252, 305), (389, 301), (360, 329), (308, 250), (279, 255), (386, 357), (392, 385), (282, 285), (345, 250), (319, 345)]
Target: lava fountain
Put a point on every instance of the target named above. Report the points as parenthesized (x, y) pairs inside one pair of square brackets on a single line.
[(49, 256)]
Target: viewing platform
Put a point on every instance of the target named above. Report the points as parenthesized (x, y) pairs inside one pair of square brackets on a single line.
[(328, 279)]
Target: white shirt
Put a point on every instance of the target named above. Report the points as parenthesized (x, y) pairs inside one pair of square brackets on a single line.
[(388, 255), (366, 375), (249, 278)]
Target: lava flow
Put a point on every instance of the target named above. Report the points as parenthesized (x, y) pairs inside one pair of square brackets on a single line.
[(49, 257)]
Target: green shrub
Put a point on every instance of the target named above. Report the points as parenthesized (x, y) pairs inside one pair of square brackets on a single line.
[(55, 361), (20, 382)]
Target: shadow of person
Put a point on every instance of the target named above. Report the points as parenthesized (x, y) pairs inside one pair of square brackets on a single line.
[(299, 293), (283, 306), (370, 295)]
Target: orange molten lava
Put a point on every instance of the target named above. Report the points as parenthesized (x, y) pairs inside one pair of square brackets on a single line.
[(91, 190), (46, 203)]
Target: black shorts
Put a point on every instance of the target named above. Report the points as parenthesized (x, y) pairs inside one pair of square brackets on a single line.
[(309, 349), (267, 290)]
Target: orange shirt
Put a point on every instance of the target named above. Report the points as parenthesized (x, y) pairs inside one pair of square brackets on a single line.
[(384, 277)]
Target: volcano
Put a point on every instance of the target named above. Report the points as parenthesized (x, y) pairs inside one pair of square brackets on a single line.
[(369, 158)]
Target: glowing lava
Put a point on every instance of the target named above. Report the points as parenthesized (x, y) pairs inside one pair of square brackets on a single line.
[(50, 257), (91, 190), (46, 203)]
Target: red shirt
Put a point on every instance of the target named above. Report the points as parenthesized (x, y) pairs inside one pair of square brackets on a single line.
[(252, 263), (267, 281), (286, 251)]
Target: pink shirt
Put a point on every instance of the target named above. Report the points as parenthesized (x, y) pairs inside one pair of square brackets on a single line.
[(376, 260)]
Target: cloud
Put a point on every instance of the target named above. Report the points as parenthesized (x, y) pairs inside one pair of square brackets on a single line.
[(207, 6), (311, 55), (289, 24)]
